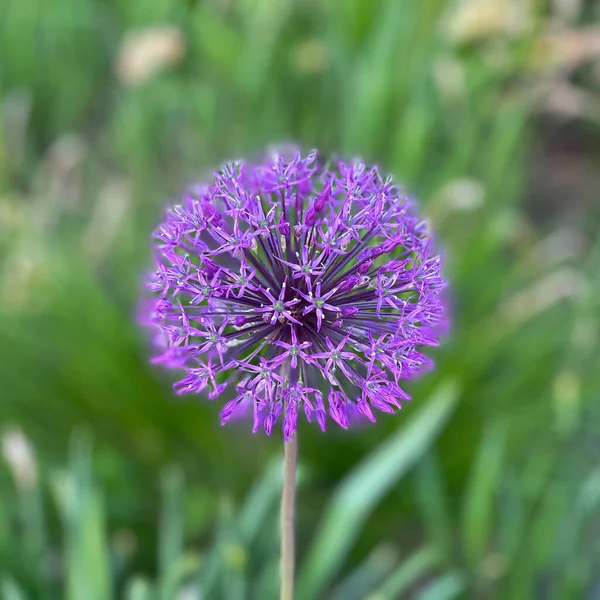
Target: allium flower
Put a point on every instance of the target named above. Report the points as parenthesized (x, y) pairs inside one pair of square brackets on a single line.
[(304, 286)]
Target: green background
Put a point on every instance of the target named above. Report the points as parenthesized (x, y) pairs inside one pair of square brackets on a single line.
[(487, 484)]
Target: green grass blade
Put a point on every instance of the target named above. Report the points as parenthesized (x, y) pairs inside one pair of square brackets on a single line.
[(417, 565), (572, 556), (10, 590), (432, 501), (171, 532), (478, 513), (540, 542), (369, 93), (88, 571), (448, 586), (369, 574), (511, 522), (261, 501), (365, 486), (254, 64), (267, 583), (224, 572)]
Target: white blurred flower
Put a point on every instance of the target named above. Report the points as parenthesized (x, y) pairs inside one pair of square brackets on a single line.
[(19, 457), (462, 194), (108, 215), (57, 181), (456, 196), (145, 52), (189, 591)]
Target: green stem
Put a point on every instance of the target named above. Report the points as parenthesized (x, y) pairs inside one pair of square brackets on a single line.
[(287, 519)]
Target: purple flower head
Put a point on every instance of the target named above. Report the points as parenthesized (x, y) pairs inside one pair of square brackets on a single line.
[(307, 288)]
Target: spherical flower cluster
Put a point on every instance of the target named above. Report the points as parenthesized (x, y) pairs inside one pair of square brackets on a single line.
[(300, 286)]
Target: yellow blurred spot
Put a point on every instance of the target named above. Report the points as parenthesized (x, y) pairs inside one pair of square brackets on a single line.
[(476, 20), (311, 56), (235, 557), (190, 563), (566, 390), (24, 271)]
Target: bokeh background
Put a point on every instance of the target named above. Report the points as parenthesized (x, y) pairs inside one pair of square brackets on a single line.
[(487, 485)]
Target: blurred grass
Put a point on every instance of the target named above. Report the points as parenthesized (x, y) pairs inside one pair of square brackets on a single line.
[(109, 108), (241, 560)]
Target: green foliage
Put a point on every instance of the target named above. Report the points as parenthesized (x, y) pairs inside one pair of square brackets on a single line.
[(362, 489), (490, 492), (240, 560)]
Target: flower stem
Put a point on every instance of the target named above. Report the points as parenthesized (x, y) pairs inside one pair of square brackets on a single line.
[(287, 519)]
